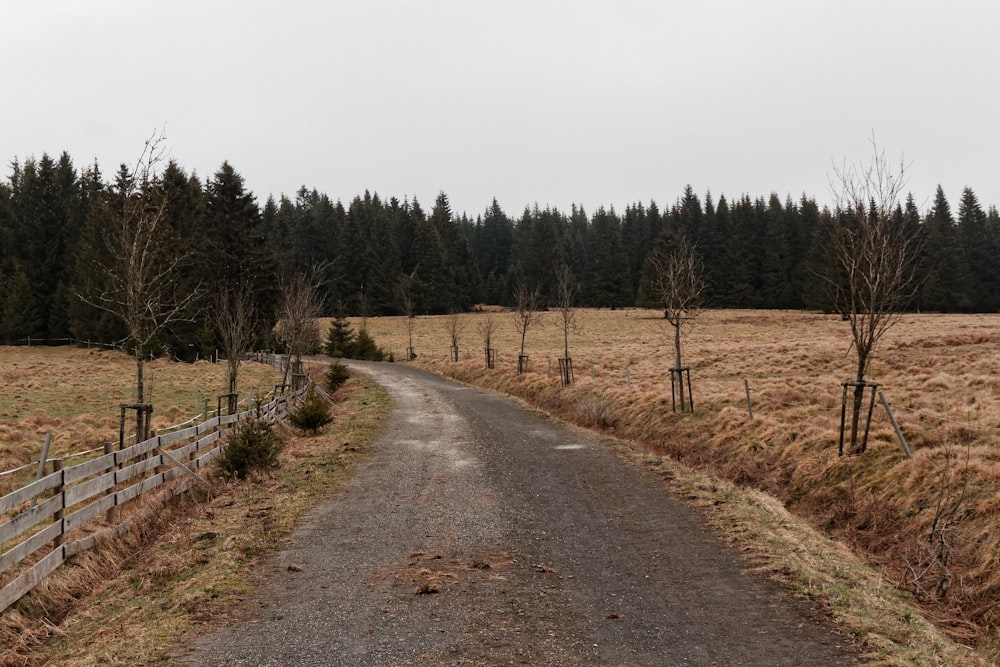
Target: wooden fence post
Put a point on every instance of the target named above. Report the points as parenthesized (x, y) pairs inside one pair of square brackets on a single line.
[(59, 490), (109, 516), (42, 460), (746, 387)]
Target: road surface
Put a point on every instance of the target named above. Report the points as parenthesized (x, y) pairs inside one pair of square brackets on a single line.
[(480, 533)]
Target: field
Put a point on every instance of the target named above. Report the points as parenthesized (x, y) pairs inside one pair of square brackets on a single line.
[(928, 524), (74, 394)]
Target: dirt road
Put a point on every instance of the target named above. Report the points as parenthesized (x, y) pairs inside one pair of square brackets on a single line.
[(479, 533)]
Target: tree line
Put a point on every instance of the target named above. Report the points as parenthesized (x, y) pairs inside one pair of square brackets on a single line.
[(763, 252)]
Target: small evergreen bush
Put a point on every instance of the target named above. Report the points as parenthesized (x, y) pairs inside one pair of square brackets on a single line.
[(339, 339), (336, 375), (254, 446), (343, 343), (365, 348), (312, 414)]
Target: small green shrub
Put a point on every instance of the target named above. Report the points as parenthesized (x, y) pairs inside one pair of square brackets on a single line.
[(312, 414), (365, 348), (336, 375), (254, 446)]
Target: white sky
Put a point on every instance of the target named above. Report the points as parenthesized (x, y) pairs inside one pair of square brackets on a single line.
[(554, 102)]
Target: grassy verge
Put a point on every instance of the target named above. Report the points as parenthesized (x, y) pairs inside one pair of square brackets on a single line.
[(197, 565)]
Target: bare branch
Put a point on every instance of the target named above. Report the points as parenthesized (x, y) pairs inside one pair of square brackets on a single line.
[(298, 311), (675, 274), (235, 316)]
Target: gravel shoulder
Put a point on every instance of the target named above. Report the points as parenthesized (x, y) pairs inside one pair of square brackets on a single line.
[(480, 533)]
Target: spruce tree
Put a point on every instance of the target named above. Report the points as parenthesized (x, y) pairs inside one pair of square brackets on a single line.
[(980, 248), (943, 264), (609, 283)]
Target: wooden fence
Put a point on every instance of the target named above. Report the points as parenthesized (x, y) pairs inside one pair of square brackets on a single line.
[(72, 509)]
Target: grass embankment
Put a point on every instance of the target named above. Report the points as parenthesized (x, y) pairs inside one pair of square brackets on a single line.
[(940, 372), (143, 601)]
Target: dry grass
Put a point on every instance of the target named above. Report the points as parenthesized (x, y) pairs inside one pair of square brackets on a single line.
[(941, 372), (142, 600), (74, 394)]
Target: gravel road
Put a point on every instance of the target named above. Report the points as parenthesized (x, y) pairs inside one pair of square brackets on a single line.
[(480, 533)]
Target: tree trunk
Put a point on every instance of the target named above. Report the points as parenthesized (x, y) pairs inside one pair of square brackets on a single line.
[(677, 344), (859, 399), (140, 430), (233, 376)]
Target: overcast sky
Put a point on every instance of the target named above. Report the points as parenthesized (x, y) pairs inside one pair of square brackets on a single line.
[(595, 103)]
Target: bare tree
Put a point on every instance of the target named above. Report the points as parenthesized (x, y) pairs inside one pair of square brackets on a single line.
[(674, 273), (235, 316), (406, 299), (566, 288), (454, 326), (297, 329), (527, 313), (486, 328), (871, 276), (141, 275)]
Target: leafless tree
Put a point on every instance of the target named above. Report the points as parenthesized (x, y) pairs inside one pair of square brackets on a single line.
[(676, 282), (486, 328), (871, 276), (235, 316), (406, 299), (566, 288), (141, 275), (454, 326), (297, 329), (674, 271), (526, 314)]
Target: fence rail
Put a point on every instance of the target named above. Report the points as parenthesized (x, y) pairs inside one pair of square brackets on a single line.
[(60, 510)]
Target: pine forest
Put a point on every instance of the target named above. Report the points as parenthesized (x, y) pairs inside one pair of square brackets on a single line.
[(756, 252)]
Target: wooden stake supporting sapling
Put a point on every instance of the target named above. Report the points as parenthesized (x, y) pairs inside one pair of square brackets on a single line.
[(677, 379), (860, 388)]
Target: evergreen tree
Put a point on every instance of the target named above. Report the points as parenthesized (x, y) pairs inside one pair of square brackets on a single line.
[(610, 283), (980, 248), (340, 337), (383, 263), (432, 280), (19, 317), (458, 271), (237, 250), (943, 264), (492, 248)]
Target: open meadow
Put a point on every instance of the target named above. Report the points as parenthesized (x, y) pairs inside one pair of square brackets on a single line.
[(74, 394), (929, 524)]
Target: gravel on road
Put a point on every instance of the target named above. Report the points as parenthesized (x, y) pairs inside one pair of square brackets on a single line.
[(481, 533)]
